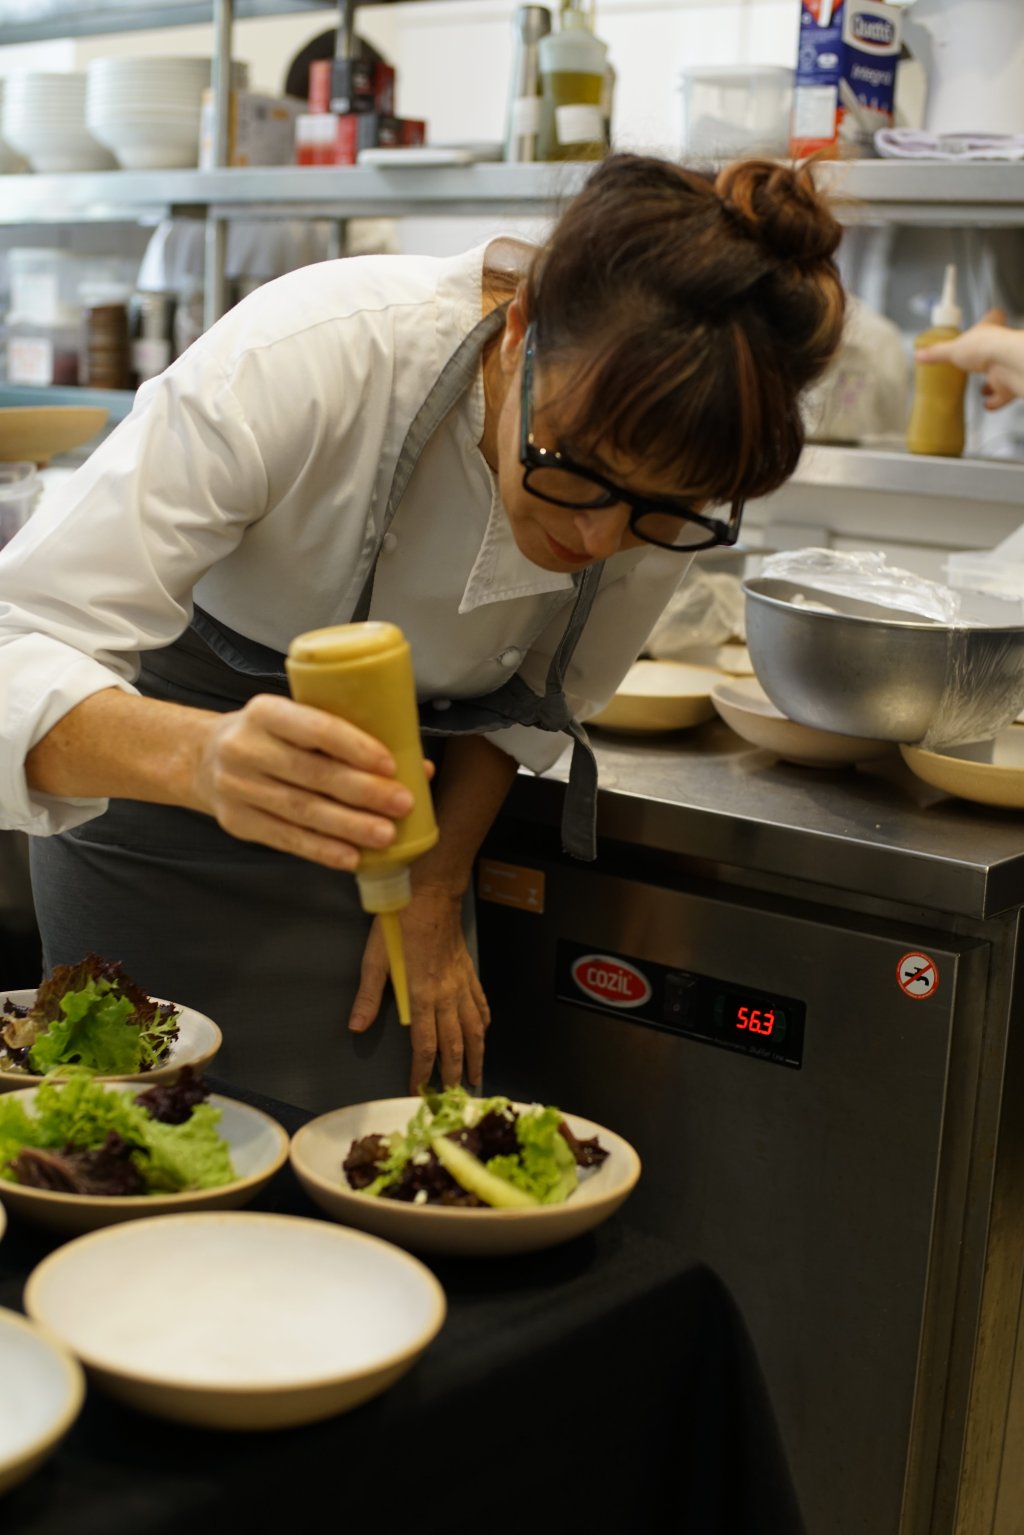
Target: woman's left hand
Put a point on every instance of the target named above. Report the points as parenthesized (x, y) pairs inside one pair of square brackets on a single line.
[(449, 1010)]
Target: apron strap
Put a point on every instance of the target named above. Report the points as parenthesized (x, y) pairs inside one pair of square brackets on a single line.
[(449, 386)]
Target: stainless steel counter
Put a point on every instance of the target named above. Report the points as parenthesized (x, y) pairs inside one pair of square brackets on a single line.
[(873, 830)]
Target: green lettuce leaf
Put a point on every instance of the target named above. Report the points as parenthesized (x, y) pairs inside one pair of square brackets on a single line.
[(79, 1111), (96, 1030), (545, 1166)]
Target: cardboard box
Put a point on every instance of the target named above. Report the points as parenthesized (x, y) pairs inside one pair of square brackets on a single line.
[(261, 129), (845, 75)]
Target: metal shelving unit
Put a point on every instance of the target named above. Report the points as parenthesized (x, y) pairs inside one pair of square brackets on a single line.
[(286, 191), (30, 21), (1000, 481), (975, 195), (869, 190)]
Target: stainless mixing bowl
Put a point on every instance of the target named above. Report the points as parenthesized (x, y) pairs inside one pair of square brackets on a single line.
[(864, 672)]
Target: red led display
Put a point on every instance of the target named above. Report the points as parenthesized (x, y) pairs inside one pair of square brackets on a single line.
[(758, 1020)]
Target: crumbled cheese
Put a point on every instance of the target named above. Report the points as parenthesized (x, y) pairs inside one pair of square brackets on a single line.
[(420, 1197)]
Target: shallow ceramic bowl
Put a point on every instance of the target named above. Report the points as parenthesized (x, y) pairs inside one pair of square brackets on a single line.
[(198, 1042), (746, 708), (659, 696), (268, 1320), (258, 1144), (320, 1147), (863, 670), (37, 433), (41, 1396), (988, 772)]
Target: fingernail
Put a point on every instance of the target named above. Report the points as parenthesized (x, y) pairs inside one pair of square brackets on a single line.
[(381, 834), (401, 802), (357, 1024)]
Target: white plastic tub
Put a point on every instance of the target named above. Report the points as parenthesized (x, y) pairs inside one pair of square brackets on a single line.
[(732, 110)]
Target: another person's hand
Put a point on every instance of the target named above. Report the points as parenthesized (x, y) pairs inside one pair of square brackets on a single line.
[(449, 1010), (991, 349), (299, 780)]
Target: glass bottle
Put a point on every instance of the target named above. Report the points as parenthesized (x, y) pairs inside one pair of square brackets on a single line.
[(572, 70)]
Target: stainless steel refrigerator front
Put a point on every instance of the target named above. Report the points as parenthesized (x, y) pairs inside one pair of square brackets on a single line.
[(829, 1191)]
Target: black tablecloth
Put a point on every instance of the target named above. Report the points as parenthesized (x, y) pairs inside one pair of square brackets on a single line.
[(605, 1386)]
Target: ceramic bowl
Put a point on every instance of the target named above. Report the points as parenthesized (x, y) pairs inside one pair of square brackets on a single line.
[(658, 696), (37, 433), (320, 1147), (41, 1396), (199, 1039), (265, 1321), (258, 1145), (988, 772), (746, 708)]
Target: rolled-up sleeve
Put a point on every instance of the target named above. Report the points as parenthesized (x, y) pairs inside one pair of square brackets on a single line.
[(625, 611), (105, 569)]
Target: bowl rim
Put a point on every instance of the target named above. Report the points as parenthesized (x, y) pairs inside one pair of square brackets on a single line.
[(437, 1213), (756, 587), (429, 1331), (60, 1199), (74, 1380)]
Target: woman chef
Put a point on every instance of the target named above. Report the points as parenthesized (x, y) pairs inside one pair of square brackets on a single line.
[(511, 454)]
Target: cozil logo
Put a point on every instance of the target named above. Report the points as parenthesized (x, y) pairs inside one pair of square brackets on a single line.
[(873, 31), (611, 981)]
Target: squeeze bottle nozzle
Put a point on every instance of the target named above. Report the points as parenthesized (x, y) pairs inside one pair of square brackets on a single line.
[(947, 311)]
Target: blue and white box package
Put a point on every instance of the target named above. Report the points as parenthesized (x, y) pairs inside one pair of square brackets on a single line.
[(845, 75)]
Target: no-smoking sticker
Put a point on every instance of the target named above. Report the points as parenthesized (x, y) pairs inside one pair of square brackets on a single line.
[(918, 976)]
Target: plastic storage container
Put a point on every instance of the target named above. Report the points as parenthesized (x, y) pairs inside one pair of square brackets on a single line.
[(730, 110), (19, 489)]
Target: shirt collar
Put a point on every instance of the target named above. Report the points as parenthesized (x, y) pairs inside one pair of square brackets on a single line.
[(500, 571)]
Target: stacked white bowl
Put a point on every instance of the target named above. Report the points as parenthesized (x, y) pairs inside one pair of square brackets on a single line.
[(147, 110), (44, 120)]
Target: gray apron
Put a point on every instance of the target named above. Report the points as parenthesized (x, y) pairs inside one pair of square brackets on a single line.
[(269, 945)]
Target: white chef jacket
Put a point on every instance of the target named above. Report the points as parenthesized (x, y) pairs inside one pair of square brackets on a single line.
[(253, 475)]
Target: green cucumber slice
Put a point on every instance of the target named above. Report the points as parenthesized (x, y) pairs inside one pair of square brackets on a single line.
[(471, 1174)]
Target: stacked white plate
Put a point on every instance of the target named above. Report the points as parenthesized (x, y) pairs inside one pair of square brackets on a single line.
[(44, 120), (147, 110)]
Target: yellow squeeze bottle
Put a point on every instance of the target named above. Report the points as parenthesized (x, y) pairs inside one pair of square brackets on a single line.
[(363, 673), (937, 416)]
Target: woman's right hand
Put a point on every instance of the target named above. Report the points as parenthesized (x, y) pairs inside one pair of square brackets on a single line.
[(299, 780)]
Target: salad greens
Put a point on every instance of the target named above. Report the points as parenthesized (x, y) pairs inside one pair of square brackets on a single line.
[(461, 1150), (80, 1136), (91, 1014)]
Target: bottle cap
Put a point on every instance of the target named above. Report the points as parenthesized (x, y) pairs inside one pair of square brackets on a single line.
[(947, 311), (384, 889)]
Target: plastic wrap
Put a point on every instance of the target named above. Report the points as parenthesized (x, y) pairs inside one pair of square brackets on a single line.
[(971, 669), (707, 610)]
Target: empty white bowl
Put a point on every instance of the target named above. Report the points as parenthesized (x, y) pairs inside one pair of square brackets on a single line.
[(657, 696), (746, 708), (987, 772), (42, 1389), (264, 1321)]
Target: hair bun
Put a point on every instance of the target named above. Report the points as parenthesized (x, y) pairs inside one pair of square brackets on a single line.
[(780, 207)]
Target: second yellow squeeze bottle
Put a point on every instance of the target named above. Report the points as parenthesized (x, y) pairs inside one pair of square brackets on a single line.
[(937, 415), (363, 673)]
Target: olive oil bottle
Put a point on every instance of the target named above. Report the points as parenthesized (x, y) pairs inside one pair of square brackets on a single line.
[(572, 70)]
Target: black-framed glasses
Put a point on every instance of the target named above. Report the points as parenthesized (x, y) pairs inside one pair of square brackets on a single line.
[(555, 477)]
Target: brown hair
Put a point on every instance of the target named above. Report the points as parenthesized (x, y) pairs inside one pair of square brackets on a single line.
[(691, 311)]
